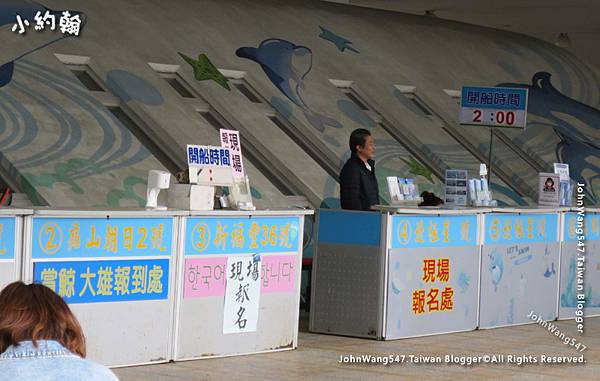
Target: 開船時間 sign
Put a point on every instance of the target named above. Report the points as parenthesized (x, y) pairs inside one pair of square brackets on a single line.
[(494, 107)]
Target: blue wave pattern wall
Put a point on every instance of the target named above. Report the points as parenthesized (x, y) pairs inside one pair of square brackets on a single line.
[(65, 146)]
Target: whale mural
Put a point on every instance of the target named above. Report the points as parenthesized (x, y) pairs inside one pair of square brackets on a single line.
[(576, 125), (287, 66)]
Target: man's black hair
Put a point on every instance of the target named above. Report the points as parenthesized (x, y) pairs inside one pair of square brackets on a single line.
[(358, 137)]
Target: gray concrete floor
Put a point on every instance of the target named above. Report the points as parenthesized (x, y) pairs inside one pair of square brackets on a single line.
[(317, 358)]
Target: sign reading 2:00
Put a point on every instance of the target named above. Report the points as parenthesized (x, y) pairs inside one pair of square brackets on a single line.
[(493, 106), (101, 237)]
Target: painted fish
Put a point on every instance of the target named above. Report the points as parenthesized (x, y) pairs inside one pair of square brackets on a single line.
[(205, 70)]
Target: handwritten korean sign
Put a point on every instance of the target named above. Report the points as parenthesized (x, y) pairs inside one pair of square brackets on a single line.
[(242, 295), (105, 281), (416, 231), (241, 235), (501, 228)]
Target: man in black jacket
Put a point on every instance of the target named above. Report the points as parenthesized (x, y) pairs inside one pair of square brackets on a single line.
[(358, 184)]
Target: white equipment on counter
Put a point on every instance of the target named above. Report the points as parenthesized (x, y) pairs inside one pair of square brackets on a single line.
[(240, 195), (157, 180)]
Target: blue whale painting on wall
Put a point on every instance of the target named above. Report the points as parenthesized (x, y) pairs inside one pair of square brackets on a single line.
[(576, 124), (15, 45), (287, 66), (285, 63)]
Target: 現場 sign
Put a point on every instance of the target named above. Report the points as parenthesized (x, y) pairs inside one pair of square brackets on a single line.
[(493, 106)]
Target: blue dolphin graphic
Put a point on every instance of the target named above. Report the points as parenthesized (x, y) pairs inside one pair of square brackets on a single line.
[(496, 268), (285, 63)]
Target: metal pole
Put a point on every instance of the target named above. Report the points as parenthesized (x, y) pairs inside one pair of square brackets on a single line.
[(490, 157)]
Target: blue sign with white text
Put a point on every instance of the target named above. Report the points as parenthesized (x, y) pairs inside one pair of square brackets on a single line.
[(105, 281), (208, 155)]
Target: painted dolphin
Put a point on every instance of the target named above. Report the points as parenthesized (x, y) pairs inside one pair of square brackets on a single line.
[(285, 64), (496, 268), (15, 45)]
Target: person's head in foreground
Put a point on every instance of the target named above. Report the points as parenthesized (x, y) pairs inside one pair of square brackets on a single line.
[(40, 338)]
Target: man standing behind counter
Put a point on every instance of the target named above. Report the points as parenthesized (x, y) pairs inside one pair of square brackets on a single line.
[(358, 184)]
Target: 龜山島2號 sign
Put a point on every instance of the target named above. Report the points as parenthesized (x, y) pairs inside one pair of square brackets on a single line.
[(493, 106), (101, 237)]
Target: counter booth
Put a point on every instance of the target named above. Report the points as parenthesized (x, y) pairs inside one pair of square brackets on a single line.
[(396, 273), (239, 283), (116, 269), (154, 286), (520, 265), (410, 272)]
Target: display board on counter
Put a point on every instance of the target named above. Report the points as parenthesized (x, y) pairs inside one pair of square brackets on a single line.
[(116, 273), (519, 268), (433, 275), (243, 272)]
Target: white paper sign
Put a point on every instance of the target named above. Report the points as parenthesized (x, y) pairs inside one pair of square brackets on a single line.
[(231, 139), (242, 294), (562, 170)]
